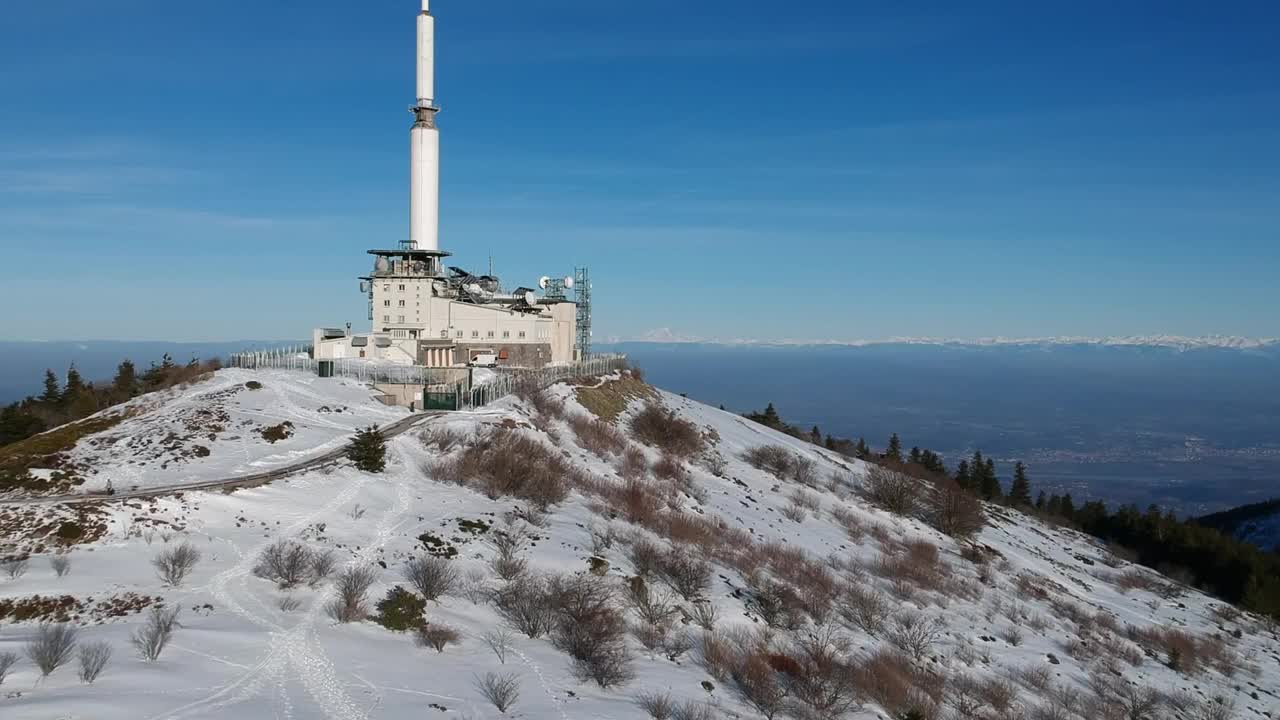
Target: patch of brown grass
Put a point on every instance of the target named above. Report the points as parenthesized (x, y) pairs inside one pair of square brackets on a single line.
[(609, 399)]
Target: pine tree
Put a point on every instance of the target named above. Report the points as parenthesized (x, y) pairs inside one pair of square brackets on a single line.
[(125, 383), (52, 394), (862, 451), (74, 387), (369, 450), (914, 456), (771, 416), (815, 436), (1054, 506), (963, 476), (1068, 507), (990, 486), (1020, 490), (895, 448), (1040, 501)]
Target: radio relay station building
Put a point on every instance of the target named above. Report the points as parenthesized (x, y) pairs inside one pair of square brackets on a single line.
[(425, 312)]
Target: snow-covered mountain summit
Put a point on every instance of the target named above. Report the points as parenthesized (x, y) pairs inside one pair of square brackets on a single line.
[(605, 550)]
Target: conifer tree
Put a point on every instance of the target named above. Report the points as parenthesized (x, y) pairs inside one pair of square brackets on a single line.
[(1041, 500), (895, 448), (914, 456), (862, 450), (52, 393), (74, 387), (771, 416), (1068, 509), (125, 383), (369, 450), (963, 476), (815, 436), (1020, 490), (990, 486)]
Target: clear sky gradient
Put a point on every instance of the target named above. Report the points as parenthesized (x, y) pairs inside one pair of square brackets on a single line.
[(819, 169)]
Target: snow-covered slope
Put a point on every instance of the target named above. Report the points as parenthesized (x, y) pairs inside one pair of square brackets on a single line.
[(239, 422), (1043, 619)]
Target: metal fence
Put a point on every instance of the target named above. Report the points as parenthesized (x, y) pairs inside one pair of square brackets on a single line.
[(456, 381)]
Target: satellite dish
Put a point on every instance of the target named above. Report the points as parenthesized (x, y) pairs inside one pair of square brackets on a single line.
[(543, 282), (568, 282)]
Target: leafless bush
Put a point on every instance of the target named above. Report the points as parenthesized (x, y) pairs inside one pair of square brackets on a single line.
[(352, 585), (150, 639), (509, 543), (1194, 708), (431, 576), (1012, 635), (499, 641), (597, 436), (7, 661), (52, 647), (657, 705), (475, 586), (794, 513), (714, 463), (633, 464), (173, 564), (704, 614), (590, 628), (653, 608), (865, 608), (670, 467), (690, 710), (666, 431), (441, 438), (915, 634), (804, 471), (853, 527), (1037, 677), (773, 459), (61, 565), (527, 604), (761, 685), (889, 678), (507, 463), (288, 603), (322, 566), (891, 490), (93, 660), (287, 564), (827, 685), (15, 569), (1137, 579), (1181, 649), (954, 511), (437, 637), (1116, 697), (687, 575), (501, 690)]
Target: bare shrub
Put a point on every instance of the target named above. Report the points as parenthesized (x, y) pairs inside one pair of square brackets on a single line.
[(761, 685), (499, 641), (285, 563), (704, 614), (653, 608), (352, 585), (1138, 579), (288, 603), (891, 490), (717, 655), (955, 511), (634, 464), (475, 586), (93, 660), (597, 436), (889, 678), (1114, 696), (441, 438), (691, 710), (437, 637), (645, 557), (591, 629), (322, 566), (502, 691), (1215, 708), (1181, 649), (714, 463), (431, 576), (1012, 635), (865, 608), (509, 543), (15, 569), (507, 463), (853, 527), (173, 564), (657, 705), (915, 634), (687, 575), (794, 513), (61, 565), (804, 471), (1037, 677), (773, 459), (827, 685), (527, 604), (52, 647), (7, 661), (663, 429), (150, 639), (670, 467)]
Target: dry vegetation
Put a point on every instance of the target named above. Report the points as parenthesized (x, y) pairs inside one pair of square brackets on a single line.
[(507, 463), (610, 398)]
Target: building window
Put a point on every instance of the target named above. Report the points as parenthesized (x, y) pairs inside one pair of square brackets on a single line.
[(506, 334), (459, 334), (401, 288), (400, 318), (386, 318), (490, 333), (444, 334), (521, 334), (401, 303), (386, 303), (475, 333)]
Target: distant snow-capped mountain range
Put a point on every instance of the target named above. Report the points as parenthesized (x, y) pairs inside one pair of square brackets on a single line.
[(1177, 342)]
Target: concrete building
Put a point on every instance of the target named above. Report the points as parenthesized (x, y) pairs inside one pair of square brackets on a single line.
[(424, 313)]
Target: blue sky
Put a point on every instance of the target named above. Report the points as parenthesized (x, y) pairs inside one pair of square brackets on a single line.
[(814, 169)]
